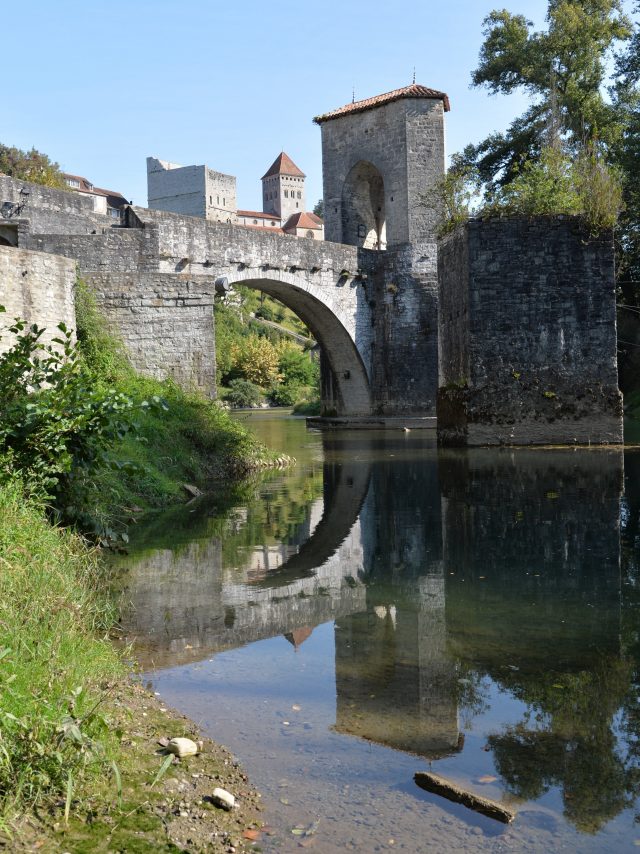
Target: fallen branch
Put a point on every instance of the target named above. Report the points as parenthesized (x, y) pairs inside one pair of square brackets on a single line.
[(440, 786)]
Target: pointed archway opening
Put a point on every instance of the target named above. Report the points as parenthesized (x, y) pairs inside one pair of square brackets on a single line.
[(363, 207), (344, 384)]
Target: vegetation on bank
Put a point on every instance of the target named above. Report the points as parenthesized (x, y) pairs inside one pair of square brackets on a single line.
[(96, 439), (54, 658), (80, 765), (85, 442)]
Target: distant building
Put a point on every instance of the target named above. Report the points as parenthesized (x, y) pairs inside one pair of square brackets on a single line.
[(200, 191), (191, 190), (107, 202), (283, 188)]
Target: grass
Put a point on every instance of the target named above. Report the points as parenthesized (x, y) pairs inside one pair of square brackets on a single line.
[(62, 750), (189, 439), (56, 658)]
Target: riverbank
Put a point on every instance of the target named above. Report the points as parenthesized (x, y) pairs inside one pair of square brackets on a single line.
[(79, 744), (176, 813), (95, 447)]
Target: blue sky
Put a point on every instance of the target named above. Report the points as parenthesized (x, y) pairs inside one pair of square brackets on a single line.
[(100, 85)]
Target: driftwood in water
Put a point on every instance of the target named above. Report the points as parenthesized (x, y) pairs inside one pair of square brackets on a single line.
[(440, 786)]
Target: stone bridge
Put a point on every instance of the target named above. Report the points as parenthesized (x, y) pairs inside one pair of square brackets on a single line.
[(156, 279), (509, 325)]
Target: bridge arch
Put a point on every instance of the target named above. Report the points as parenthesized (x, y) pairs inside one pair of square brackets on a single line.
[(347, 390), (363, 207)]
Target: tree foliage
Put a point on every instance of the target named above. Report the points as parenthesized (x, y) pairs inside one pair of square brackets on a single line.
[(30, 166), (563, 69), (626, 95)]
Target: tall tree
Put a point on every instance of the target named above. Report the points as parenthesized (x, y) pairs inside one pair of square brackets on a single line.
[(30, 166), (562, 68), (626, 95)]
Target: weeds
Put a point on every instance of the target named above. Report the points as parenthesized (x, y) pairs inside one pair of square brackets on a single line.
[(56, 658)]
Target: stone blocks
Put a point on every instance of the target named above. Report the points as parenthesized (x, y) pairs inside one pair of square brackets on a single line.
[(38, 288), (527, 335)]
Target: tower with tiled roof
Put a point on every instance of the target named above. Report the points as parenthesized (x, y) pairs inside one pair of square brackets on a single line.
[(382, 158), (283, 188)]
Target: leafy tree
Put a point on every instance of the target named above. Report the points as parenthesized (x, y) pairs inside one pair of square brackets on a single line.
[(318, 208), (256, 359), (563, 69), (626, 93), (296, 366), (30, 166)]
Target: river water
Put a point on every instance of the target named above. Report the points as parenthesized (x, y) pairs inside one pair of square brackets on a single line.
[(384, 608)]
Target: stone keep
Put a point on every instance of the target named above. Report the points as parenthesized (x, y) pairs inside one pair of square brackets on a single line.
[(382, 159), (527, 334), (191, 190)]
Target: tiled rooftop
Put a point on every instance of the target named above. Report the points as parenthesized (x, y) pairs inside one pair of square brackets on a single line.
[(413, 91)]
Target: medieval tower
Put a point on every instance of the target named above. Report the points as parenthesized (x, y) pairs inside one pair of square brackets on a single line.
[(283, 188), (381, 160)]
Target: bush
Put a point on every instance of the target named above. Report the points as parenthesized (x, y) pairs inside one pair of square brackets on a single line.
[(243, 394), (285, 394), (296, 366), (554, 184), (57, 424), (256, 360)]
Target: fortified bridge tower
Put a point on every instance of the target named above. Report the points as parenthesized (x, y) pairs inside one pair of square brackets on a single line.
[(382, 159)]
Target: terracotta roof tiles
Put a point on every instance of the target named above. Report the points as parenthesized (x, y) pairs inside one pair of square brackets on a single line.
[(413, 91), (258, 215), (301, 220), (283, 165)]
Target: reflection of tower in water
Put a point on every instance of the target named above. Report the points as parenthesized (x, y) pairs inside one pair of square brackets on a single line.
[(396, 684)]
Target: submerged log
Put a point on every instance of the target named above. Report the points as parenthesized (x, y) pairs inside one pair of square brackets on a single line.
[(440, 786)]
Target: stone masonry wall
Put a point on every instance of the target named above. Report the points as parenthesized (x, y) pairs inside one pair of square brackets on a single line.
[(527, 333), (404, 293), (52, 211), (165, 322), (404, 140), (36, 287)]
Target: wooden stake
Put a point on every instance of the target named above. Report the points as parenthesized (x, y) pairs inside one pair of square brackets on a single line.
[(440, 786)]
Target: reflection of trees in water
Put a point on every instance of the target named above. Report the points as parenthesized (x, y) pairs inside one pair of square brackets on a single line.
[(567, 739), (532, 562)]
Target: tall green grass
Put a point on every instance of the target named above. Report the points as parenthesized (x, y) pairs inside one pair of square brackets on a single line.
[(55, 658)]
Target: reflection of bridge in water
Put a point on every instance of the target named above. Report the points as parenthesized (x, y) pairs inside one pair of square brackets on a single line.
[(428, 563)]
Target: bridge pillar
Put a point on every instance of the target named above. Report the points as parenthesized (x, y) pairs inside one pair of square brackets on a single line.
[(528, 335)]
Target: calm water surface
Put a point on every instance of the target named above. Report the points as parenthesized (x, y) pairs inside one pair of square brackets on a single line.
[(384, 608)]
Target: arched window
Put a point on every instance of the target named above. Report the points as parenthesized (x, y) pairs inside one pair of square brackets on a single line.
[(310, 234)]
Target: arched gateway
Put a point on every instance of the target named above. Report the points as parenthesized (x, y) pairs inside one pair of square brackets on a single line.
[(347, 390)]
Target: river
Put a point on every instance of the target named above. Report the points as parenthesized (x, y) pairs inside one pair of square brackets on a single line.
[(383, 608)]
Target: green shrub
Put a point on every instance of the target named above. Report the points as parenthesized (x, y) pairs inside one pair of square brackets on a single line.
[(296, 366), (57, 424), (285, 394), (243, 394)]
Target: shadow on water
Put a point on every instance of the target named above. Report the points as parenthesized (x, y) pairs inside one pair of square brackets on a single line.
[(484, 608)]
